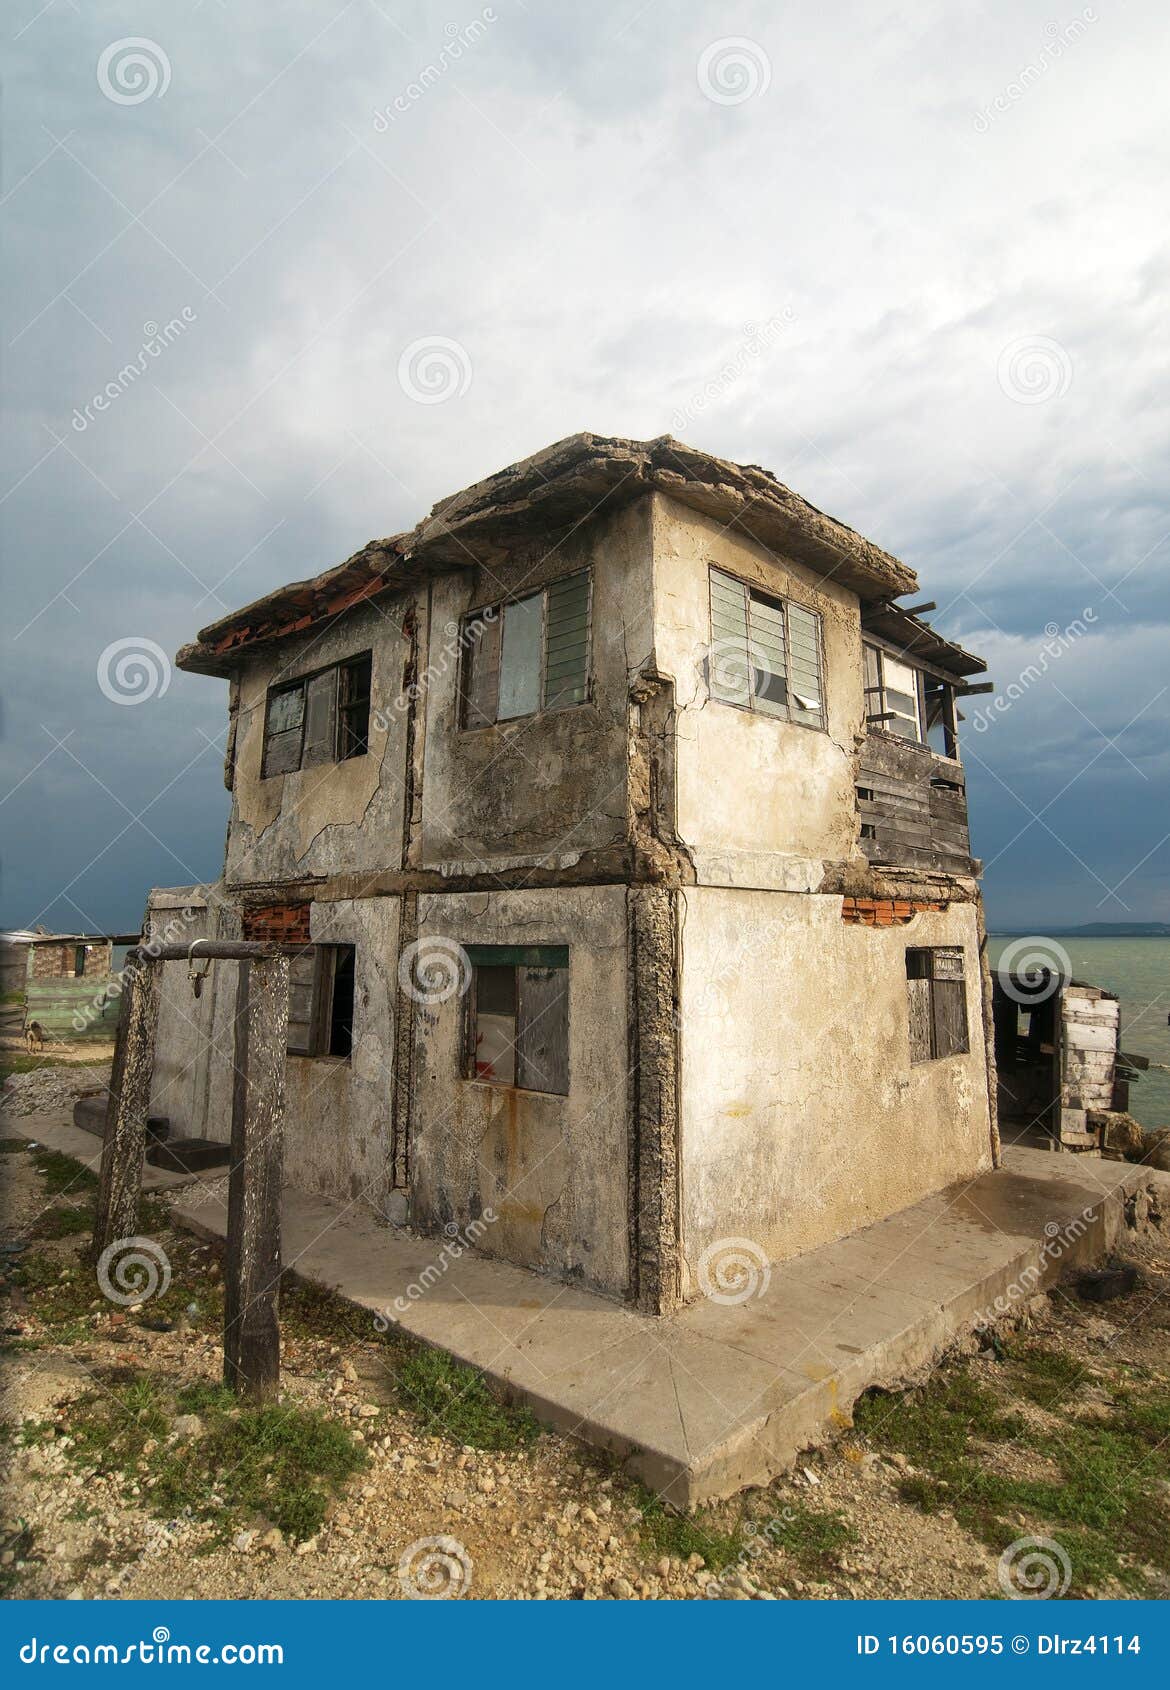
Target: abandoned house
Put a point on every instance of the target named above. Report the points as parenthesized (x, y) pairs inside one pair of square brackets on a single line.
[(621, 804)]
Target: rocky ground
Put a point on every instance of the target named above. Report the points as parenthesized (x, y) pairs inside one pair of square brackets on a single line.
[(386, 1471), (52, 1086)]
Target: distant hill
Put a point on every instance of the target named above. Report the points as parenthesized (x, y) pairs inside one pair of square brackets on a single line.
[(1095, 930)]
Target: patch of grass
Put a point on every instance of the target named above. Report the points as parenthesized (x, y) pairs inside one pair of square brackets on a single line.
[(61, 1173), (1106, 1506), (682, 1535), (812, 1538), (9, 1146), (456, 1401), (17, 1062), (63, 1221), (282, 1463), (20, 1542)]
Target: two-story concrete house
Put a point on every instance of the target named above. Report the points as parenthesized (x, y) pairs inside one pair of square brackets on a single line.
[(624, 809)]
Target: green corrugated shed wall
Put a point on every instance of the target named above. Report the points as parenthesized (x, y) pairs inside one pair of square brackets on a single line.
[(74, 1009)]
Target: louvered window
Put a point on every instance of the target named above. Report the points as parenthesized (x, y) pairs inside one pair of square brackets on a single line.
[(527, 655), (765, 653)]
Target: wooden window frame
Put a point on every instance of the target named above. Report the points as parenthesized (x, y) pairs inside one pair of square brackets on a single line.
[(773, 601), (934, 1031), (496, 614), (522, 959), (301, 684), (323, 961)]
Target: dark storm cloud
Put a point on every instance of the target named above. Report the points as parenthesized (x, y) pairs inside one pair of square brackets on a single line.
[(970, 364)]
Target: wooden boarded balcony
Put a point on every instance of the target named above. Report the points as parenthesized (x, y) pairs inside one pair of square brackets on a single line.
[(912, 805)]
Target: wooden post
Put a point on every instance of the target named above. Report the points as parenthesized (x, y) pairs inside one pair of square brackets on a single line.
[(124, 1144), (251, 1330)]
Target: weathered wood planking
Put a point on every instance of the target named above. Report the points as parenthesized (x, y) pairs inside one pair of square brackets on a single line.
[(910, 820)]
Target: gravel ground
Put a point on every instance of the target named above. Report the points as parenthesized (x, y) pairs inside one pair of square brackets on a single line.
[(56, 1087), (550, 1520)]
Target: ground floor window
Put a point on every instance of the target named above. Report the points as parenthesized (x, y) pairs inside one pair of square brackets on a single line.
[(517, 1029), (938, 1002), (320, 1004)]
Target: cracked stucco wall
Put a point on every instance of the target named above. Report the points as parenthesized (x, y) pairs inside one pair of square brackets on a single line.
[(553, 784), (553, 1169), (335, 818), (761, 802), (802, 1117)]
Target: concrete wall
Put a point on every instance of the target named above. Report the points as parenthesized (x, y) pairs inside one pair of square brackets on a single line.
[(553, 1169), (552, 785), (801, 1115), (337, 1126), (334, 818), (761, 802)]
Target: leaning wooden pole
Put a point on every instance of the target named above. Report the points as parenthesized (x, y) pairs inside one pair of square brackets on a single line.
[(251, 1333), (124, 1144)]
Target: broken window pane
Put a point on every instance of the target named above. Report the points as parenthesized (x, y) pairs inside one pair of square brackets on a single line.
[(520, 658), (353, 707), (318, 719), (764, 654)]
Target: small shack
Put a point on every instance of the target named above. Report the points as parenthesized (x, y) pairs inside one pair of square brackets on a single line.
[(1062, 1076), (63, 981)]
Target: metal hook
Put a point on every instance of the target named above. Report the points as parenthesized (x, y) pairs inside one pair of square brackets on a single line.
[(193, 974)]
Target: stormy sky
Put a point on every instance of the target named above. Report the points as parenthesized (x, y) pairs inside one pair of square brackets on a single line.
[(912, 258)]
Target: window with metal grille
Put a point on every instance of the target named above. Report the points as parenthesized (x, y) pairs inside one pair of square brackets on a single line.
[(517, 1027), (765, 653), (319, 718), (937, 994), (527, 655), (320, 1002)]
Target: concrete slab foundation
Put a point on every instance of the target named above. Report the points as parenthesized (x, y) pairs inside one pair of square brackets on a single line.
[(726, 1393)]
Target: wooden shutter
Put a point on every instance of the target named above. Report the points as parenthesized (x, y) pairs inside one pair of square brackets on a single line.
[(805, 690), (728, 670), (566, 646), (542, 1029), (303, 998), (948, 1003), (320, 720), (481, 669), (283, 729)]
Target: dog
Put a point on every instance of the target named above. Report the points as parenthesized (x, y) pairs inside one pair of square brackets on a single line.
[(34, 1038)]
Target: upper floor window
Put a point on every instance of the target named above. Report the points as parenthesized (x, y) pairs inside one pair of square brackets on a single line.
[(765, 653), (527, 655), (892, 697), (320, 718)]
